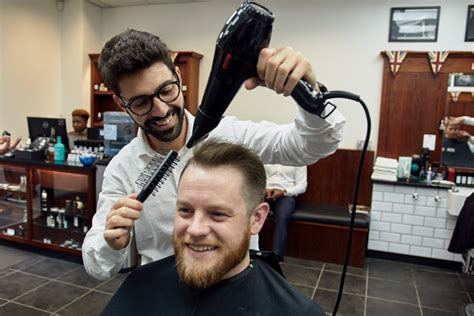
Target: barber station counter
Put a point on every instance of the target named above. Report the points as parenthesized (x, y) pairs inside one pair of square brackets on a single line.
[(411, 219), (47, 205)]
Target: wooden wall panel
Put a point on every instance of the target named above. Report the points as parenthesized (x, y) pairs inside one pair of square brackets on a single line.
[(313, 241), (332, 180)]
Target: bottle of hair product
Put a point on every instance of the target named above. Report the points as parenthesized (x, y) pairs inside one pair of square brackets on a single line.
[(52, 138), (44, 203), (51, 152), (59, 151), (429, 175)]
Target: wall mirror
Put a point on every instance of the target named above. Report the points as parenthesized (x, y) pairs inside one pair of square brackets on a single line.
[(457, 151)]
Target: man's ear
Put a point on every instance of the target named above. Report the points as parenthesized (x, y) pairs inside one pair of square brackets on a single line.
[(117, 100), (178, 72), (258, 217)]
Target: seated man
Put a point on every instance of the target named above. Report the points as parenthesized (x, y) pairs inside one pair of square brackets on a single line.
[(284, 183), (220, 204)]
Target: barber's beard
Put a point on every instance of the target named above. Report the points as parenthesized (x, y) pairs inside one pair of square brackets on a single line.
[(203, 275), (170, 134)]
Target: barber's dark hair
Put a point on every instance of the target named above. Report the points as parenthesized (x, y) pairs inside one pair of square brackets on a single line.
[(130, 52), (216, 153)]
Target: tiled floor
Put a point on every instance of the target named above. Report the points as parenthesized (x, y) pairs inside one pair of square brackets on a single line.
[(33, 284), (383, 287)]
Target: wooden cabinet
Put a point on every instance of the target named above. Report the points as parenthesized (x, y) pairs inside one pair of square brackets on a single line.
[(188, 63), (46, 205), (102, 101)]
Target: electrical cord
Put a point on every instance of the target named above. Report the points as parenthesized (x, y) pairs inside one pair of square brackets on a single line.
[(346, 95)]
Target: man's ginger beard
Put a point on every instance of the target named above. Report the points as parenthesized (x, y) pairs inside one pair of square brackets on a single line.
[(194, 275)]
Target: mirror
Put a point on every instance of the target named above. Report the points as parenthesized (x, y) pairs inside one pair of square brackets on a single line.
[(458, 138)]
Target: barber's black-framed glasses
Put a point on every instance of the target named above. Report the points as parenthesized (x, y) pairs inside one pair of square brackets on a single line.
[(167, 93)]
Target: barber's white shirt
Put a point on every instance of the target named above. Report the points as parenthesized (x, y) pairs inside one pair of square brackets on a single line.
[(303, 142)]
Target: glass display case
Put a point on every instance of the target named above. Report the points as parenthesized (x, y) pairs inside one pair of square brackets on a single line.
[(61, 208), (14, 201), (46, 205)]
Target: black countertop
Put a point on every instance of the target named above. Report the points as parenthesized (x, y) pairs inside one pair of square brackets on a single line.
[(416, 184), (38, 163)]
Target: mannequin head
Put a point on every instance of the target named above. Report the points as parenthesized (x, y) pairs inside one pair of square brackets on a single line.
[(79, 120)]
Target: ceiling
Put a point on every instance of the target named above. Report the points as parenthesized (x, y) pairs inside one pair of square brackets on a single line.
[(125, 3)]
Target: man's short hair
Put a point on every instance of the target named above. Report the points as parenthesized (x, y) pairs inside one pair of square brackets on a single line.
[(216, 153), (130, 52), (81, 113)]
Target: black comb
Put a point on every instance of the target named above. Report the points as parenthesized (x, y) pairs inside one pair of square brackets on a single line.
[(155, 174)]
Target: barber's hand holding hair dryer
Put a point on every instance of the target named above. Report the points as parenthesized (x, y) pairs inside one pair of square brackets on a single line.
[(241, 55)]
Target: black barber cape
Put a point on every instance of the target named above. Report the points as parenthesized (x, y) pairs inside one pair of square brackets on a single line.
[(463, 234), (155, 289)]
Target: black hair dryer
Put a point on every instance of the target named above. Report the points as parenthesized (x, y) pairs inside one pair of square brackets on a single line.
[(246, 32)]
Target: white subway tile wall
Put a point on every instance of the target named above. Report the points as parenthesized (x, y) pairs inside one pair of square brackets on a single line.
[(411, 220)]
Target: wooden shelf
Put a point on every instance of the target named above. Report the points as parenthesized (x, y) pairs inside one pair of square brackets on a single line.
[(103, 92)]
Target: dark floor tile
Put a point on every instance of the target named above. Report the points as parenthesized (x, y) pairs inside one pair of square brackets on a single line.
[(18, 283), (425, 278), (28, 262), (350, 304), (91, 304), (442, 298), (303, 262), (376, 307), (468, 282), (51, 296), (80, 277), (306, 290), (432, 268), (16, 309), (352, 284), (5, 272), (111, 285), (394, 291), (390, 270), (437, 312), (351, 270), (51, 268), (12, 256), (300, 275)]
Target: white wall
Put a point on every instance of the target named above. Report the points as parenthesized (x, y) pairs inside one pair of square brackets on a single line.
[(30, 44), (343, 39), (44, 62), (81, 28)]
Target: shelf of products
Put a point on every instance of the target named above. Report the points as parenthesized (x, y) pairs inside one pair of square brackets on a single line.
[(101, 96), (46, 205)]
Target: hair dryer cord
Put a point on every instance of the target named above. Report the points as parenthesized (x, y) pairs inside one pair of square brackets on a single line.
[(346, 95)]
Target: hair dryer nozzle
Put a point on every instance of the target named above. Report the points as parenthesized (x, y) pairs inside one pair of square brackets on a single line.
[(203, 124)]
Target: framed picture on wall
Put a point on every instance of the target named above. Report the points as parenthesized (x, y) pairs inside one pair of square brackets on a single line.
[(461, 82), (470, 24), (414, 24)]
